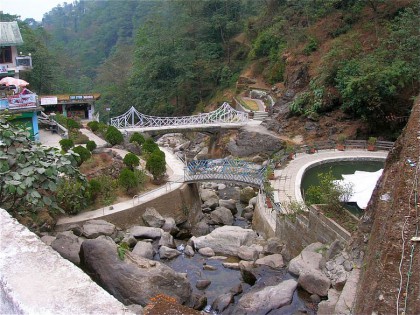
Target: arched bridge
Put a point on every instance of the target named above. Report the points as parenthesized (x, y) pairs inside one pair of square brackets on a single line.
[(225, 115), (225, 170)]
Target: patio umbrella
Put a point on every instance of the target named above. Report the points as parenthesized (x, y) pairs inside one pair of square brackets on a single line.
[(13, 81)]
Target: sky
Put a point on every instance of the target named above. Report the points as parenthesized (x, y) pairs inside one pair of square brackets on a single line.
[(29, 8)]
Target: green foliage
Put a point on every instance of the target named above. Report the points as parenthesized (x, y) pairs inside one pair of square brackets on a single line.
[(30, 172), (66, 144), (150, 146), (103, 188), (122, 249), (328, 193), (156, 164), (77, 137), (94, 188), (91, 145), (84, 154), (128, 180), (72, 124), (311, 46), (93, 125), (131, 160), (72, 196), (266, 43), (138, 138), (113, 136)]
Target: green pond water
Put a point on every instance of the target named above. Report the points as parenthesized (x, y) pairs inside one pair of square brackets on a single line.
[(338, 168)]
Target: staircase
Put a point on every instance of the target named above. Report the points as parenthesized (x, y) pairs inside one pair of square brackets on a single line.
[(260, 115)]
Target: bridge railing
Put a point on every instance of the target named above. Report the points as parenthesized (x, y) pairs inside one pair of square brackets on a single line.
[(133, 118)]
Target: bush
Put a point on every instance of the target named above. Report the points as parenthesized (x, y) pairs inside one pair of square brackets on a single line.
[(150, 146), (72, 124), (156, 164), (72, 196), (107, 189), (78, 137), (102, 128), (113, 136), (93, 125), (84, 154), (128, 180), (138, 138), (131, 160), (91, 145), (94, 188), (66, 144)]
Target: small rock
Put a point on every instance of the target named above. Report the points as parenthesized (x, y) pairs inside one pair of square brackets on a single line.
[(234, 266), (168, 253), (315, 298), (209, 267), (348, 266), (202, 284), (189, 251), (206, 251)]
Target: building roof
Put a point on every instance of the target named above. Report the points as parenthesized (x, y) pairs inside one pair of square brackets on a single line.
[(10, 34)]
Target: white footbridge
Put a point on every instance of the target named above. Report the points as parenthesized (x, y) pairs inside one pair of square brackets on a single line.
[(223, 117)]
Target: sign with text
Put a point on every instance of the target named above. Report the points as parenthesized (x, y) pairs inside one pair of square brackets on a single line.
[(81, 97), (49, 100), (20, 101)]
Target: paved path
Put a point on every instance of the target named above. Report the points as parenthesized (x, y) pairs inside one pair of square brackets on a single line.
[(287, 180), (49, 139), (99, 141)]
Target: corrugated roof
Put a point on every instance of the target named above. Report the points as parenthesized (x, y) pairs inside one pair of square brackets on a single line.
[(10, 34)]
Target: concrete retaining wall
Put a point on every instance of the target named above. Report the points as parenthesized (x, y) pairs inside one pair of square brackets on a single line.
[(260, 222), (35, 279)]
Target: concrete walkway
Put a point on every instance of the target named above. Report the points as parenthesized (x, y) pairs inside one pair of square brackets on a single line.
[(99, 141), (287, 180)]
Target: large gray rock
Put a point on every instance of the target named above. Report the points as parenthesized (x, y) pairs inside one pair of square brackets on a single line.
[(229, 204), (274, 246), (95, 228), (222, 302), (143, 249), (249, 143), (348, 295), (221, 216), (153, 218), (226, 240), (201, 228), (327, 307), (167, 240), (143, 232), (248, 253), (68, 246), (170, 226), (307, 260), (314, 281), (274, 261), (211, 203), (189, 251), (246, 194), (207, 194), (267, 299), (48, 239), (206, 251), (133, 280), (168, 253)]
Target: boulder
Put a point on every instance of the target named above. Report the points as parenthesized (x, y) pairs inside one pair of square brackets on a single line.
[(136, 309), (234, 266), (76, 229), (94, 228), (197, 301), (206, 251), (170, 226), (307, 260), (267, 299), (153, 218), (327, 307), (202, 284), (222, 302), (274, 246), (143, 249), (100, 260), (211, 203), (221, 216), (346, 300), (168, 253), (167, 240), (249, 143), (48, 239), (248, 253), (142, 232), (226, 240), (68, 246), (201, 228), (246, 194), (189, 251), (207, 194), (252, 202), (315, 282), (274, 261), (229, 204), (130, 240)]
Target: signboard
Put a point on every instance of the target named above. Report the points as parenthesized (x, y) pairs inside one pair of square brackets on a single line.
[(3, 69), (49, 100), (81, 97), (20, 101)]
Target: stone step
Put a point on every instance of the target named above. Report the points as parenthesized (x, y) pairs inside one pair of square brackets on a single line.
[(260, 115)]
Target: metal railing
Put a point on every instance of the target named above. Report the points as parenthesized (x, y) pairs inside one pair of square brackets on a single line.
[(134, 119)]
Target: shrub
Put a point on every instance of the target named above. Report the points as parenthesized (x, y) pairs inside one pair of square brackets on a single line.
[(138, 138), (94, 188), (107, 191), (156, 164), (128, 180), (131, 160), (78, 137), (72, 196), (150, 146), (141, 177), (93, 125), (113, 136), (66, 144), (91, 145), (311, 46), (84, 154), (102, 128), (72, 124)]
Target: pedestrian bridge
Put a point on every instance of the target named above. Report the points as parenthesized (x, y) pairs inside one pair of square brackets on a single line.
[(225, 170), (223, 117)]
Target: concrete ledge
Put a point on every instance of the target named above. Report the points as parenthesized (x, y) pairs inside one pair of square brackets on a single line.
[(35, 279)]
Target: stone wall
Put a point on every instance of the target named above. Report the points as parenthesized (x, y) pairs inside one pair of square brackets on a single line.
[(35, 279), (180, 204), (260, 219), (300, 230)]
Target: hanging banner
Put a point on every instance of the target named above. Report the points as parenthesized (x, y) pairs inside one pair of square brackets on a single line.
[(20, 101)]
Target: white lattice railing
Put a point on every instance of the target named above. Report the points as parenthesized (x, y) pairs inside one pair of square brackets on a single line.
[(134, 119)]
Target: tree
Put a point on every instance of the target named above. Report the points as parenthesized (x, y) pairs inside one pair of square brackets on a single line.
[(83, 154), (113, 136), (156, 164), (30, 172), (138, 138), (131, 160)]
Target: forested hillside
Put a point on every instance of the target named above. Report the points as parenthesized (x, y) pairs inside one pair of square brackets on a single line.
[(359, 57)]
